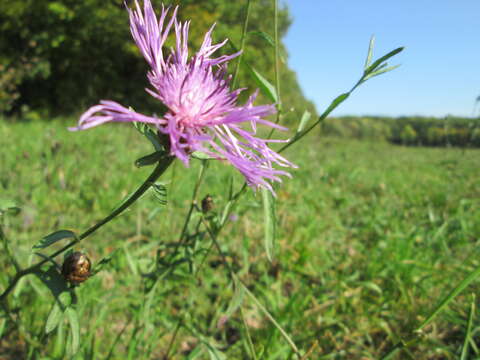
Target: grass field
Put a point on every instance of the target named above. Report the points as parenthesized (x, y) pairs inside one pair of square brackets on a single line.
[(371, 238)]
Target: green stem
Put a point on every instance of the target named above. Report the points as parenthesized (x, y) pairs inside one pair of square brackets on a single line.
[(277, 61), (157, 172), (193, 204), (242, 46), (277, 68)]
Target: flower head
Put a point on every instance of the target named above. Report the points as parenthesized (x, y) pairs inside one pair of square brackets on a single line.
[(203, 114)]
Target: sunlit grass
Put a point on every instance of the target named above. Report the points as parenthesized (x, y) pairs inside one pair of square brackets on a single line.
[(371, 236)]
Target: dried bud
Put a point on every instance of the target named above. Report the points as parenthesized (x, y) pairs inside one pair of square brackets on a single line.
[(207, 204), (76, 268)]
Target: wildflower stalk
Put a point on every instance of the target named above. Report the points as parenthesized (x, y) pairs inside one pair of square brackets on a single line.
[(242, 46), (161, 167), (193, 205), (277, 63), (277, 68)]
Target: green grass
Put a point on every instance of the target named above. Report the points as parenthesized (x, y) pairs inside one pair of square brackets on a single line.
[(371, 238)]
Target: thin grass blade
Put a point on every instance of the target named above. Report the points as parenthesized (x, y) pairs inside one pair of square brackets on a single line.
[(444, 303), (468, 334)]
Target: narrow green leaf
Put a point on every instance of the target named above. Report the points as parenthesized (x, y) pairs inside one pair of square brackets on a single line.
[(383, 70), (230, 188), (62, 302), (265, 86), (72, 317), (269, 316), (201, 156), (130, 260), (54, 237), (468, 334), (59, 348), (54, 318), (148, 303), (146, 131), (337, 101), (457, 290), (370, 52), (264, 36), (270, 222), (234, 305), (226, 212), (378, 62), (150, 159), (303, 121)]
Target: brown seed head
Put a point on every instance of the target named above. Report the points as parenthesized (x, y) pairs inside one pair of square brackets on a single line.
[(207, 204), (76, 268)]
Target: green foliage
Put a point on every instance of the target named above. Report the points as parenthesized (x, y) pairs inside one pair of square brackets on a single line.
[(366, 252), (450, 131), (408, 135), (59, 57)]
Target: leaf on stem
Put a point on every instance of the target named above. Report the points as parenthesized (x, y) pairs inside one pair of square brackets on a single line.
[(54, 237), (265, 86), (381, 71), (381, 60), (150, 159), (201, 156), (264, 36), (371, 45), (72, 316), (303, 121), (270, 222), (56, 314), (147, 131)]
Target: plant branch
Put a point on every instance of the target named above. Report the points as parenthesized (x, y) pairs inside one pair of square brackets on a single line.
[(161, 167)]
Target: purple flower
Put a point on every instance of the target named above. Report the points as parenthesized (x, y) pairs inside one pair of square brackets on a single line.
[(203, 114)]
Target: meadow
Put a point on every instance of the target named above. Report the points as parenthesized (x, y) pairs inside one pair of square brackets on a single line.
[(371, 237)]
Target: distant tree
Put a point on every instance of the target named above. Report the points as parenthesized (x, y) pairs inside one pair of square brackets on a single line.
[(60, 56)]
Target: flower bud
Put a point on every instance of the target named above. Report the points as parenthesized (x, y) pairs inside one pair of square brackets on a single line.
[(76, 268), (207, 204)]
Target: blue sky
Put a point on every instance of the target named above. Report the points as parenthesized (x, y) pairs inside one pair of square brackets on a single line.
[(440, 66)]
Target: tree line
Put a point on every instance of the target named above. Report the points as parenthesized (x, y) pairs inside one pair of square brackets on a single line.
[(59, 57), (411, 131)]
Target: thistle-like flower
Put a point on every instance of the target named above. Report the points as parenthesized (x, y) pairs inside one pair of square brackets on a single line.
[(203, 114)]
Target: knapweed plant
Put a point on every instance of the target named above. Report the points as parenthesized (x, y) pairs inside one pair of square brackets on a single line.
[(203, 120)]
